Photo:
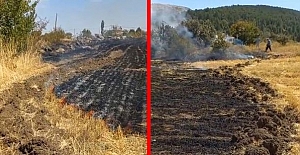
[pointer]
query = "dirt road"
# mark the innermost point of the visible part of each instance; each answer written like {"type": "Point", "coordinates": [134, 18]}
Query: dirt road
{"type": "Point", "coordinates": [215, 112]}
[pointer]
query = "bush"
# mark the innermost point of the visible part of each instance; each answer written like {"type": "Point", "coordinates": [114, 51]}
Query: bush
{"type": "Point", "coordinates": [282, 39]}
{"type": "Point", "coordinates": [55, 36]}
{"type": "Point", "coordinates": [219, 44]}
{"type": "Point", "coordinates": [86, 33]}
{"type": "Point", "coordinates": [17, 21]}
{"type": "Point", "coordinates": [246, 31]}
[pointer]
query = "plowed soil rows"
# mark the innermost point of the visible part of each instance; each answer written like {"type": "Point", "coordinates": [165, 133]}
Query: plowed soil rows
{"type": "Point", "coordinates": [216, 112]}
{"type": "Point", "coordinates": [116, 91]}
{"type": "Point", "coordinates": [99, 80]}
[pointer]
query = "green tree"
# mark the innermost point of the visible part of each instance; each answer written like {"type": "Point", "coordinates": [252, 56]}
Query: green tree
{"type": "Point", "coordinates": [108, 33]}
{"type": "Point", "coordinates": [219, 43]}
{"type": "Point", "coordinates": [54, 37]}
{"type": "Point", "coordinates": [131, 33]}
{"type": "Point", "coordinates": [172, 43]}
{"type": "Point", "coordinates": [102, 27]}
{"type": "Point", "coordinates": [246, 31]}
{"type": "Point", "coordinates": [125, 32]}
{"type": "Point", "coordinates": [138, 32]}
{"type": "Point", "coordinates": [203, 30]}
{"type": "Point", "coordinates": [86, 33]}
{"type": "Point", "coordinates": [17, 20]}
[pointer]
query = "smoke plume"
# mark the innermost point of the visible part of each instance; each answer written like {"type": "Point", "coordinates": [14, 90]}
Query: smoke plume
{"type": "Point", "coordinates": [184, 46]}
{"type": "Point", "coordinates": [173, 16]}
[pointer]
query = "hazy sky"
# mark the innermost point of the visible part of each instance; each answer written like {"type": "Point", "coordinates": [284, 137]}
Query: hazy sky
{"type": "Point", "coordinates": [193, 4]}
{"type": "Point", "coordinates": [80, 14]}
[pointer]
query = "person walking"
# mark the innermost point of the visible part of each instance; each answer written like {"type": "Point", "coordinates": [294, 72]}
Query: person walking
{"type": "Point", "coordinates": [268, 45]}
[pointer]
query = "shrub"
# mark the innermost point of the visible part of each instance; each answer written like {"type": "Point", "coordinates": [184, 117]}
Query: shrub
{"type": "Point", "coordinates": [54, 37]}
{"type": "Point", "coordinates": [282, 39]}
{"type": "Point", "coordinates": [219, 44]}
{"type": "Point", "coordinates": [17, 21]}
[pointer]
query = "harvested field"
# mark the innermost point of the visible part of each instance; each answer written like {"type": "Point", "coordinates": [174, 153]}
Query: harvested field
{"type": "Point", "coordinates": [108, 79]}
{"type": "Point", "coordinates": [216, 111]}
{"type": "Point", "coordinates": [116, 91]}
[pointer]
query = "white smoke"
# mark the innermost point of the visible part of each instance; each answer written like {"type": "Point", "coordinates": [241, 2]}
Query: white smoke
{"type": "Point", "coordinates": [173, 16]}
{"type": "Point", "coordinates": [164, 14]}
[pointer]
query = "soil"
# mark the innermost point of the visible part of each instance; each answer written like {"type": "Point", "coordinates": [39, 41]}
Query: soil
{"type": "Point", "coordinates": [116, 92]}
{"type": "Point", "coordinates": [112, 78]}
{"type": "Point", "coordinates": [216, 111]}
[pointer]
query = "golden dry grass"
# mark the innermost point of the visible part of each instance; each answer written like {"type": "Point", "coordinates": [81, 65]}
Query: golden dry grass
{"type": "Point", "coordinates": [81, 135]}
{"type": "Point", "coordinates": [14, 68]}
{"type": "Point", "coordinates": [290, 49]}
{"type": "Point", "coordinates": [215, 64]}
{"type": "Point", "coordinates": [88, 136]}
{"type": "Point", "coordinates": [284, 76]}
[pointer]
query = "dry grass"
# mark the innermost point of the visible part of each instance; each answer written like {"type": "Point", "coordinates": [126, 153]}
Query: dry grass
{"type": "Point", "coordinates": [87, 136]}
{"type": "Point", "coordinates": [282, 73]}
{"type": "Point", "coordinates": [74, 130]}
{"type": "Point", "coordinates": [284, 76]}
{"type": "Point", "coordinates": [215, 64]}
{"type": "Point", "coordinates": [70, 130]}
{"type": "Point", "coordinates": [290, 49]}
{"type": "Point", "coordinates": [15, 68]}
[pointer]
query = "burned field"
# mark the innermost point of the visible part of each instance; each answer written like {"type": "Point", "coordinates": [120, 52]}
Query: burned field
{"type": "Point", "coordinates": [116, 92]}
{"type": "Point", "coordinates": [216, 111]}
{"type": "Point", "coordinates": [108, 78]}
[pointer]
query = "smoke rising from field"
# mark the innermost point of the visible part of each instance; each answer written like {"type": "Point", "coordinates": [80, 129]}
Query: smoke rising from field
{"type": "Point", "coordinates": [168, 14]}
{"type": "Point", "coordinates": [185, 47]}
{"type": "Point", "coordinates": [172, 16]}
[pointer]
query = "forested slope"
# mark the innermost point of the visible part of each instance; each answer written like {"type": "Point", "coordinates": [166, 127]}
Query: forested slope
{"type": "Point", "coordinates": [271, 20]}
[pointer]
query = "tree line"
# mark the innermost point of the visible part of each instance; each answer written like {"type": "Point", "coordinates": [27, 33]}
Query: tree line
{"type": "Point", "coordinates": [208, 28]}
{"type": "Point", "coordinates": [272, 21]}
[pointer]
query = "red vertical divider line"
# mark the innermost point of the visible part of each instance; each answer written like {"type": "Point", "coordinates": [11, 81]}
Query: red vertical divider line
{"type": "Point", "coordinates": [148, 77]}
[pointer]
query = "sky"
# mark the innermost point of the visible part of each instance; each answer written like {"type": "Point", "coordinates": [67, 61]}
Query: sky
{"type": "Point", "coordinates": [193, 4]}
{"type": "Point", "coordinates": [80, 14]}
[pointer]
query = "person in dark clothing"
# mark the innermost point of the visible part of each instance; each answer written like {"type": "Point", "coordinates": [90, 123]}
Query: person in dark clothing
{"type": "Point", "coordinates": [268, 45]}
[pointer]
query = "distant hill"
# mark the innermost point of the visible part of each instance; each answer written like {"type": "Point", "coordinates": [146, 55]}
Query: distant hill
{"type": "Point", "coordinates": [271, 20]}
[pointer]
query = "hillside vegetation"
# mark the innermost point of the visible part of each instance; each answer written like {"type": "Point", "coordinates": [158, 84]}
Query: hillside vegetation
{"type": "Point", "coordinates": [271, 20]}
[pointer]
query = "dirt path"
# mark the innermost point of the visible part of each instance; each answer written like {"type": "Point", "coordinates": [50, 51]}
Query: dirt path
{"type": "Point", "coordinates": [112, 79]}
{"type": "Point", "coordinates": [216, 112]}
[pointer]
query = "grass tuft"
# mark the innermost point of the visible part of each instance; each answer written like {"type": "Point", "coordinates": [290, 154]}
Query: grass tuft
{"type": "Point", "coordinates": [15, 67]}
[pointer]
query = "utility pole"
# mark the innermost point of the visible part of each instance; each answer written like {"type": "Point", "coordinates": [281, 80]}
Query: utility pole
{"type": "Point", "coordinates": [55, 22]}
{"type": "Point", "coordinates": [74, 32]}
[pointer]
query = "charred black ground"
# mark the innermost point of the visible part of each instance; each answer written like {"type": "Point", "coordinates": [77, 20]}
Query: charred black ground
{"type": "Point", "coordinates": [116, 91]}
{"type": "Point", "coordinates": [115, 66]}
{"type": "Point", "coordinates": [216, 112]}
